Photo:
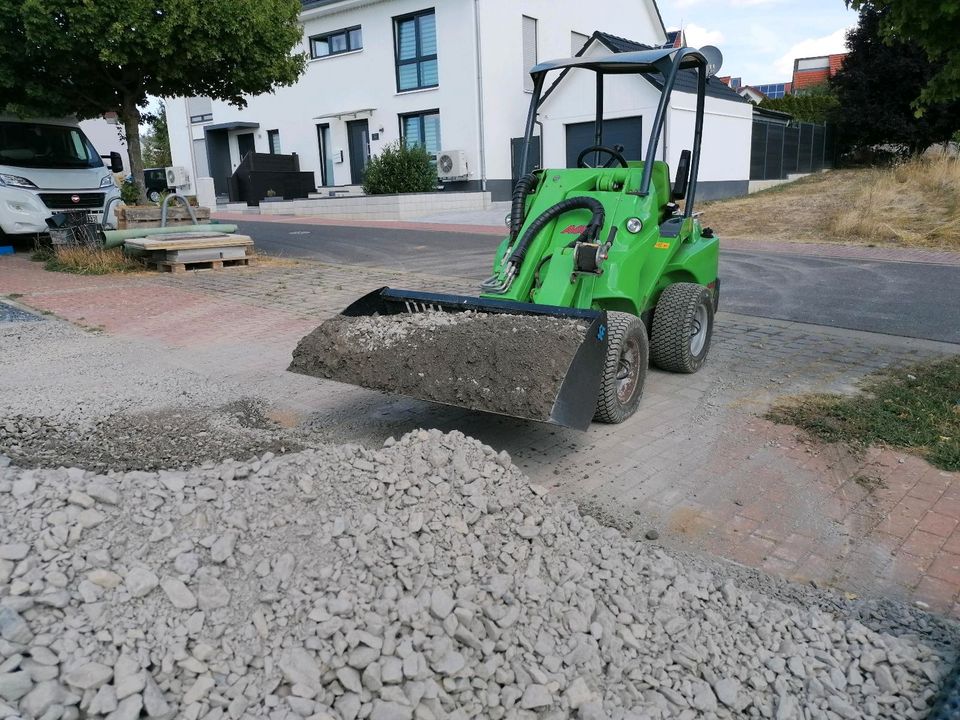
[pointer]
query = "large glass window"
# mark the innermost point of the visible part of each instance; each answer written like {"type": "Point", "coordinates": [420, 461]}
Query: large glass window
{"type": "Point", "coordinates": [334, 43]}
{"type": "Point", "coordinates": [415, 44]}
{"type": "Point", "coordinates": [422, 128]}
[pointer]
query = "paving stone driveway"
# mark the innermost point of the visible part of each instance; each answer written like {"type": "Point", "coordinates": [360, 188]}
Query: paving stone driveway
{"type": "Point", "coordinates": [697, 463]}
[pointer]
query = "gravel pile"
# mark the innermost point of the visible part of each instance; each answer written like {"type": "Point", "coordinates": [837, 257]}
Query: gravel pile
{"type": "Point", "coordinates": [424, 580]}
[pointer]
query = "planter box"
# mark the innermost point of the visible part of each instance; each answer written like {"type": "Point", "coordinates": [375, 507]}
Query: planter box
{"type": "Point", "coordinates": [147, 216]}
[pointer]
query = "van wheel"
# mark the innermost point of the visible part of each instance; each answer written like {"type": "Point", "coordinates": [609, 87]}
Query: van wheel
{"type": "Point", "coordinates": [682, 328]}
{"type": "Point", "coordinates": [625, 368]}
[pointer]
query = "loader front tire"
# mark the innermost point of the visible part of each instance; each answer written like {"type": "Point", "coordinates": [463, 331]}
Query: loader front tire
{"type": "Point", "coordinates": [682, 328]}
{"type": "Point", "coordinates": [625, 368]}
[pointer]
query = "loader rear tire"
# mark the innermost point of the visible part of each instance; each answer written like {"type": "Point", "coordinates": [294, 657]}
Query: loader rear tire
{"type": "Point", "coordinates": [682, 328]}
{"type": "Point", "coordinates": [625, 368]}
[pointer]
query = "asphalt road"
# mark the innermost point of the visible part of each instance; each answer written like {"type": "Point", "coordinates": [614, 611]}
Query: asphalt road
{"type": "Point", "coordinates": [908, 299]}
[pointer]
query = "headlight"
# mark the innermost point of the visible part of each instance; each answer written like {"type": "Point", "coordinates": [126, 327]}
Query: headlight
{"type": "Point", "coordinates": [16, 181]}
{"type": "Point", "coordinates": [107, 181]}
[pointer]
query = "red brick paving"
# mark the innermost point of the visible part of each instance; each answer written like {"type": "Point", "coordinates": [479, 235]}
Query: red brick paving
{"type": "Point", "coordinates": [801, 510]}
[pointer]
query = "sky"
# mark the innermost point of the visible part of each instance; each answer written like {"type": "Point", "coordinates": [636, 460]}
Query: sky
{"type": "Point", "coordinates": [761, 38]}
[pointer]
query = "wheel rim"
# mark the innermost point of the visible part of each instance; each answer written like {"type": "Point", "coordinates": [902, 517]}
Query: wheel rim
{"type": "Point", "coordinates": [628, 371]}
{"type": "Point", "coordinates": [698, 333]}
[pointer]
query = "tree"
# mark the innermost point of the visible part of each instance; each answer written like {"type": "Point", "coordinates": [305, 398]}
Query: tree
{"type": "Point", "coordinates": [876, 87]}
{"type": "Point", "coordinates": [84, 58]}
{"type": "Point", "coordinates": [815, 105]}
{"type": "Point", "coordinates": [156, 143]}
{"type": "Point", "coordinates": [931, 25]}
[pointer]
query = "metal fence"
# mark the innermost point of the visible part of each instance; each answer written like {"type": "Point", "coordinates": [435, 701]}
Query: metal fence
{"type": "Point", "coordinates": [778, 150]}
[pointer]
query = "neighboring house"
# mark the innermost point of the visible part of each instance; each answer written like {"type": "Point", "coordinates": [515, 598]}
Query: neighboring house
{"type": "Point", "coordinates": [812, 71]}
{"type": "Point", "coordinates": [107, 136]}
{"type": "Point", "coordinates": [774, 90]}
{"type": "Point", "coordinates": [631, 103]}
{"type": "Point", "coordinates": [752, 94]}
{"type": "Point", "coordinates": [452, 76]}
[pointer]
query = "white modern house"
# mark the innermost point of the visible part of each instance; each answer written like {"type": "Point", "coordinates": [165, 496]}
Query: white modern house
{"type": "Point", "coordinates": [454, 76]}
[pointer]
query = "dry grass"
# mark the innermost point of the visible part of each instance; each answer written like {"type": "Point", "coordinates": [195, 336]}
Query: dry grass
{"type": "Point", "coordinates": [913, 204]}
{"type": "Point", "coordinates": [91, 261]}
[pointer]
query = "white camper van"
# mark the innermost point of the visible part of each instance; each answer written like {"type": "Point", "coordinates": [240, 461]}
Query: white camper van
{"type": "Point", "coordinates": [49, 167]}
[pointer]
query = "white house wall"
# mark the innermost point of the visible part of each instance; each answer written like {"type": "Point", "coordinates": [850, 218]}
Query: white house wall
{"type": "Point", "coordinates": [107, 137]}
{"type": "Point", "coordinates": [725, 151]}
{"type": "Point", "coordinates": [366, 79]}
{"type": "Point", "coordinates": [506, 104]}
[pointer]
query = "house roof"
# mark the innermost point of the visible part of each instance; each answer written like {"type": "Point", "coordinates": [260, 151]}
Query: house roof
{"type": "Point", "coordinates": [686, 79]}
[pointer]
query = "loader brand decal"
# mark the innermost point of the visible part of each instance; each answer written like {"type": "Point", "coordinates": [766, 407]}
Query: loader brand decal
{"type": "Point", "coordinates": [661, 245]}
{"type": "Point", "coordinates": [574, 230]}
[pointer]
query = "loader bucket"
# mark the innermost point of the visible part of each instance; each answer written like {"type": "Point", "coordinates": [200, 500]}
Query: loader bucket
{"type": "Point", "coordinates": [522, 360]}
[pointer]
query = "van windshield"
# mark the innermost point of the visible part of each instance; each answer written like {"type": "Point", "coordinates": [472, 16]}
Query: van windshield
{"type": "Point", "coordinates": [37, 145]}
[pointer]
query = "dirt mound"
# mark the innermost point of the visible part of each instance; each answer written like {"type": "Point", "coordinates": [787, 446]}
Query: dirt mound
{"type": "Point", "coordinates": [509, 364]}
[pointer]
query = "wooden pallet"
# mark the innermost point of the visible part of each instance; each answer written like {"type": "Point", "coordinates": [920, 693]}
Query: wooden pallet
{"type": "Point", "coordinates": [175, 267]}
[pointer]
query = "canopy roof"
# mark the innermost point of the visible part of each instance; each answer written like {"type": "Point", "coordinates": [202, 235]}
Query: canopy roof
{"type": "Point", "coordinates": [642, 61]}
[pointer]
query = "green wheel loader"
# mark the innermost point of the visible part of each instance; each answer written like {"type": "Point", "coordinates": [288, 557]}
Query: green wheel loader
{"type": "Point", "coordinates": [602, 272]}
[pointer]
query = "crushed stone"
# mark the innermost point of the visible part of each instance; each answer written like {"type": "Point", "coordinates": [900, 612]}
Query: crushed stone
{"type": "Point", "coordinates": [427, 579]}
{"type": "Point", "coordinates": [501, 363]}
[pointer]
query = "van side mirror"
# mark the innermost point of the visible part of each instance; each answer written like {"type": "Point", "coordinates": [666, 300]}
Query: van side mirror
{"type": "Point", "coordinates": [683, 176]}
{"type": "Point", "coordinates": [116, 162]}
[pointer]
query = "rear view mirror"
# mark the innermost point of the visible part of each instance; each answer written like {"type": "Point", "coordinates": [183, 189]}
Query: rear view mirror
{"type": "Point", "coordinates": [116, 162]}
{"type": "Point", "coordinates": [683, 176]}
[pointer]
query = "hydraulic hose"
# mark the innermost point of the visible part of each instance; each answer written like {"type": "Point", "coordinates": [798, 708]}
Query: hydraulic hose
{"type": "Point", "coordinates": [564, 206]}
{"type": "Point", "coordinates": [525, 185]}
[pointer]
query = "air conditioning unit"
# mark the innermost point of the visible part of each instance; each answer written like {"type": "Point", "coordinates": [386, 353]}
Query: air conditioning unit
{"type": "Point", "coordinates": [452, 165]}
{"type": "Point", "coordinates": [177, 177]}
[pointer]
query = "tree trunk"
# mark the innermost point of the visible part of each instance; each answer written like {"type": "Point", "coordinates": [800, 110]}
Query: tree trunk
{"type": "Point", "coordinates": [131, 125]}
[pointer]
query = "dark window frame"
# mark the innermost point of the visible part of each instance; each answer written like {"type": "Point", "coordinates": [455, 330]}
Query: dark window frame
{"type": "Point", "coordinates": [327, 35]}
{"type": "Point", "coordinates": [271, 134]}
{"type": "Point", "coordinates": [419, 59]}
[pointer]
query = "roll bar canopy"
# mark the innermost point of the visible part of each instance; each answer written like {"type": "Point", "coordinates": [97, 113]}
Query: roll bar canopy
{"type": "Point", "coordinates": [667, 62]}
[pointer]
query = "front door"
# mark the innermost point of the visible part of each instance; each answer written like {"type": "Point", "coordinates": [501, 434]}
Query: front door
{"type": "Point", "coordinates": [358, 141]}
{"type": "Point", "coordinates": [218, 159]}
{"type": "Point", "coordinates": [245, 144]}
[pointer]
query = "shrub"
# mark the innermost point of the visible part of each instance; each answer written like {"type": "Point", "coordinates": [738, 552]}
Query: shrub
{"type": "Point", "coordinates": [400, 169]}
{"type": "Point", "coordinates": [130, 193]}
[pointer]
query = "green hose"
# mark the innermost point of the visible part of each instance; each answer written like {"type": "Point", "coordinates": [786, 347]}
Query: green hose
{"type": "Point", "coordinates": [115, 238]}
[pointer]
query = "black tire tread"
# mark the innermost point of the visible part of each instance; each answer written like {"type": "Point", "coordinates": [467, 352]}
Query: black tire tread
{"type": "Point", "coordinates": [608, 406]}
{"type": "Point", "coordinates": [670, 334]}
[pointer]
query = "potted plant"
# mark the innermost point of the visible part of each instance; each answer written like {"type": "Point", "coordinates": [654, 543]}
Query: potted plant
{"type": "Point", "coordinates": [272, 196]}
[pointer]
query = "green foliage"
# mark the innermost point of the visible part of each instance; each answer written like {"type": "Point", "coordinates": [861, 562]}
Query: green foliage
{"type": "Point", "coordinates": [917, 408]}
{"type": "Point", "coordinates": [876, 89]}
{"type": "Point", "coordinates": [932, 26]}
{"type": "Point", "coordinates": [400, 169]}
{"type": "Point", "coordinates": [813, 107]}
{"type": "Point", "coordinates": [85, 58]}
{"type": "Point", "coordinates": [156, 143]}
{"type": "Point", "coordinates": [130, 193]}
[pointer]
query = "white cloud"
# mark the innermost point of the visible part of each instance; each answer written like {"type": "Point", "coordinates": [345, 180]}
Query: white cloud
{"type": "Point", "coordinates": [751, 3]}
{"type": "Point", "coordinates": [833, 43]}
{"type": "Point", "coordinates": [698, 36]}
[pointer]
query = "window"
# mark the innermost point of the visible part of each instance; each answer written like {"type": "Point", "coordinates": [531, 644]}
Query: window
{"type": "Point", "coordinates": [273, 138]}
{"type": "Point", "coordinates": [577, 41]}
{"type": "Point", "coordinates": [422, 128]}
{"type": "Point", "coordinates": [200, 109]}
{"type": "Point", "coordinates": [415, 44]}
{"type": "Point", "coordinates": [529, 51]}
{"type": "Point", "coordinates": [335, 43]}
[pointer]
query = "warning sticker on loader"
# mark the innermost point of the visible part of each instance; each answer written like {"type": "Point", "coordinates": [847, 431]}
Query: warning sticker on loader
{"type": "Point", "coordinates": [661, 245]}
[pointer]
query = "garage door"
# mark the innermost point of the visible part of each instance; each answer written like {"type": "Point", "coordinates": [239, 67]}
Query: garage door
{"type": "Point", "coordinates": [622, 131]}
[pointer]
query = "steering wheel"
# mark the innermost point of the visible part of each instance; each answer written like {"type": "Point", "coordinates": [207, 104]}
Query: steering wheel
{"type": "Point", "coordinates": [614, 155]}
